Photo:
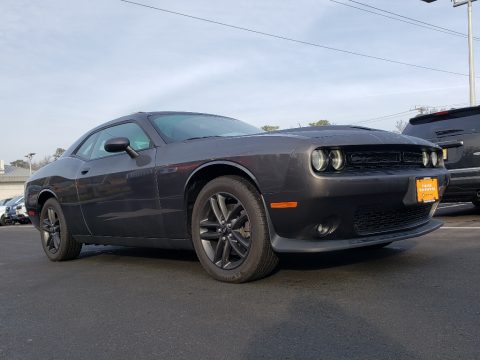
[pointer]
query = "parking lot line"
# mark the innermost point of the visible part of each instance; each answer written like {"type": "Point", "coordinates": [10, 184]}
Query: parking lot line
{"type": "Point", "coordinates": [460, 227]}
{"type": "Point", "coordinates": [454, 205]}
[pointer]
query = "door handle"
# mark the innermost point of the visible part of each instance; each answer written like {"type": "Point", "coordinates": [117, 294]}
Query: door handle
{"type": "Point", "coordinates": [84, 171]}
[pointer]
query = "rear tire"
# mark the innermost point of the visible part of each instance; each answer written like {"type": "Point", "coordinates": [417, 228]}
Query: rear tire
{"type": "Point", "coordinates": [57, 242]}
{"type": "Point", "coordinates": [230, 232]}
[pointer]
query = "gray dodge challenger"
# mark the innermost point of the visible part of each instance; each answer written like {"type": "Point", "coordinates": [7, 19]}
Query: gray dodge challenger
{"type": "Point", "coordinates": [236, 195]}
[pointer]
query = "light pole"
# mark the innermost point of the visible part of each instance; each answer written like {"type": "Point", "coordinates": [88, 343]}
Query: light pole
{"type": "Point", "coordinates": [29, 156]}
{"type": "Point", "coordinates": [471, 72]}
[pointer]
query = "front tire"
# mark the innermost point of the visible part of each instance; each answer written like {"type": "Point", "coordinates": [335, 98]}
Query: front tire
{"type": "Point", "coordinates": [230, 231]}
{"type": "Point", "coordinates": [2, 221]}
{"type": "Point", "coordinates": [57, 242]}
{"type": "Point", "coordinates": [476, 203]}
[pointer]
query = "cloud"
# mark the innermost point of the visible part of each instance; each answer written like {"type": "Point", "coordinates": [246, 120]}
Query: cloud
{"type": "Point", "coordinates": [69, 66]}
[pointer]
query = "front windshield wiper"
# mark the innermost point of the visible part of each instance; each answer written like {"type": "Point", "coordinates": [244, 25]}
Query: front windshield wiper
{"type": "Point", "coordinates": [202, 137]}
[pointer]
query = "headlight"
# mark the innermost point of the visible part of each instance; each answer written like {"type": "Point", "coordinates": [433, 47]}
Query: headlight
{"type": "Point", "coordinates": [337, 159]}
{"type": "Point", "coordinates": [320, 160]}
{"type": "Point", "coordinates": [434, 158]}
{"type": "Point", "coordinates": [425, 159]}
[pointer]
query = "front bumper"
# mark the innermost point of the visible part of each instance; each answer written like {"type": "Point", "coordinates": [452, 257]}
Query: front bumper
{"type": "Point", "coordinates": [285, 245]}
{"type": "Point", "coordinates": [361, 210]}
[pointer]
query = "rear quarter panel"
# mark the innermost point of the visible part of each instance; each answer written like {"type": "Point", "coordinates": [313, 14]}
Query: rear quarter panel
{"type": "Point", "coordinates": [58, 179]}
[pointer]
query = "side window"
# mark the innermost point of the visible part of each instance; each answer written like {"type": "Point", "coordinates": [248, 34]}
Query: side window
{"type": "Point", "coordinates": [138, 139]}
{"type": "Point", "coordinates": [86, 149]}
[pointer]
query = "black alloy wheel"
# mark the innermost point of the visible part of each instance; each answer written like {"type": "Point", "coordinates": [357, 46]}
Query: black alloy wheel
{"type": "Point", "coordinates": [50, 230]}
{"type": "Point", "coordinates": [225, 231]}
{"type": "Point", "coordinates": [57, 242]}
{"type": "Point", "coordinates": [230, 231]}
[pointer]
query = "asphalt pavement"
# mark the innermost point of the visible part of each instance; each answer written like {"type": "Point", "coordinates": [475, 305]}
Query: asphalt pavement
{"type": "Point", "coordinates": [416, 299]}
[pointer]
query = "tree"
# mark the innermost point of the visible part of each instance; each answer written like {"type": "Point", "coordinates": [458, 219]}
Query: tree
{"type": "Point", "coordinates": [320, 123]}
{"type": "Point", "coordinates": [400, 125]}
{"type": "Point", "coordinates": [20, 163]}
{"type": "Point", "coordinates": [59, 152]}
{"type": "Point", "coordinates": [270, 127]}
{"type": "Point", "coordinates": [47, 159]}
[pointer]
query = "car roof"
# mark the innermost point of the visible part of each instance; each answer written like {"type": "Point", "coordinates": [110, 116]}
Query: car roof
{"type": "Point", "coordinates": [445, 115]}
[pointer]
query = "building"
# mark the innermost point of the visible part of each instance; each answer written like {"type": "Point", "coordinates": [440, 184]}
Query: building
{"type": "Point", "coordinates": [12, 180]}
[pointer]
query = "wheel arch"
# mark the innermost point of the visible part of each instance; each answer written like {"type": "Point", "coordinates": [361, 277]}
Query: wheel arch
{"type": "Point", "coordinates": [43, 196]}
{"type": "Point", "coordinates": [206, 173]}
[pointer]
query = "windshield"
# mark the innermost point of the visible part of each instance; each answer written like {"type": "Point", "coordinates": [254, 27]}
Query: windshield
{"type": "Point", "coordinates": [180, 127]}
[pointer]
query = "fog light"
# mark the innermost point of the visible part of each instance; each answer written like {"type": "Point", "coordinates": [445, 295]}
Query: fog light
{"type": "Point", "coordinates": [323, 229]}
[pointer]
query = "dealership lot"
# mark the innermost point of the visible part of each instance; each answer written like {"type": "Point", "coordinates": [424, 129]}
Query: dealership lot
{"type": "Point", "coordinates": [416, 299]}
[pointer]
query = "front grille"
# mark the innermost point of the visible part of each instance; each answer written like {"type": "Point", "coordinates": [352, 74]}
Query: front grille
{"type": "Point", "coordinates": [392, 159]}
{"type": "Point", "coordinates": [377, 219]}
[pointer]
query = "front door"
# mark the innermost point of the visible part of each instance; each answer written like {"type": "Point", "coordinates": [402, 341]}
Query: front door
{"type": "Point", "coordinates": [117, 193]}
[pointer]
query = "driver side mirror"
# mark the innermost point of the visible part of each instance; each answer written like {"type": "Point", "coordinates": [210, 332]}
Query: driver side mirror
{"type": "Point", "coordinates": [120, 144]}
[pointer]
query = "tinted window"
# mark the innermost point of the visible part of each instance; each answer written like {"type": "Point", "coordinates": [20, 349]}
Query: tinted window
{"type": "Point", "coordinates": [86, 149]}
{"type": "Point", "coordinates": [435, 127]}
{"type": "Point", "coordinates": [179, 127]}
{"type": "Point", "coordinates": [138, 139]}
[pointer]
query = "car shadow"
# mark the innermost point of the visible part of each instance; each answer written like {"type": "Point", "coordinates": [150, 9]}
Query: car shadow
{"type": "Point", "coordinates": [316, 261]}
{"type": "Point", "coordinates": [150, 253]}
{"type": "Point", "coordinates": [341, 258]}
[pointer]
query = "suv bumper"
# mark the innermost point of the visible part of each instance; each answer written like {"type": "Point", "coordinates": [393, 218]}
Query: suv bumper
{"type": "Point", "coordinates": [464, 185]}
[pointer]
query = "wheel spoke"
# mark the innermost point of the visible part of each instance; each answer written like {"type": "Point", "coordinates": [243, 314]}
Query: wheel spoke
{"type": "Point", "coordinates": [56, 240]}
{"type": "Point", "coordinates": [49, 243]}
{"type": "Point", "coordinates": [234, 211]}
{"type": "Point", "coordinates": [240, 239]}
{"type": "Point", "coordinates": [236, 249]}
{"type": "Point", "coordinates": [46, 226]}
{"type": "Point", "coordinates": [218, 252]}
{"type": "Point", "coordinates": [208, 223]}
{"type": "Point", "coordinates": [225, 254]}
{"type": "Point", "coordinates": [242, 219]}
{"type": "Point", "coordinates": [51, 215]}
{"type": "Point", "coordinates": [210, 235]}
{"type": "Point", "coordinates": [216, 210]}
{"type": "Point", "coordinates": [223, 206]}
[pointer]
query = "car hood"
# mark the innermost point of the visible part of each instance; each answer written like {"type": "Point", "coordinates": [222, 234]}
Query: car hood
{"type": "Point", "coordinates": [349, 135]}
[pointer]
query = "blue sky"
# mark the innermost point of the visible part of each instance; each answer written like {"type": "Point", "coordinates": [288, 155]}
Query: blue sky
{"type": "Point", "coordinates": [67, 66]}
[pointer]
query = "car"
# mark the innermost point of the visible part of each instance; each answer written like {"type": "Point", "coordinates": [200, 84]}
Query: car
{"type": "Point", "coordinates": [234, 194]}
{"type": "Point", "coordinates": [21, 215]}
{"type": "Point", "coordinates": [10, 215]}
{"type": "Point", "coordinates": [457, 131]}
{"type": "Point", "coordinates": [3, 207]}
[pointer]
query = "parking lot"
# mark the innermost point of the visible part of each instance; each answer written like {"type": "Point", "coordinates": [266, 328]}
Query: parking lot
{"type": "Point", "coordinates": [416, 299]}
